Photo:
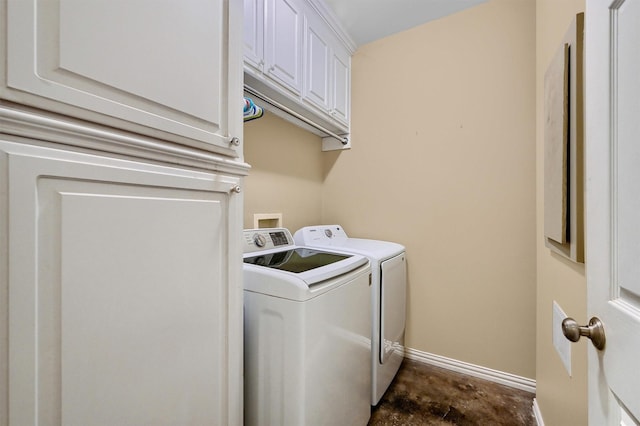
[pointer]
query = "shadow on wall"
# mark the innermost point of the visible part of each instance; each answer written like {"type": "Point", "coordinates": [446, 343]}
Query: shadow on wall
{"type": "Point", "coordinates": [329, 160]}
{"type": "Point", "coordinates": [276, 146]}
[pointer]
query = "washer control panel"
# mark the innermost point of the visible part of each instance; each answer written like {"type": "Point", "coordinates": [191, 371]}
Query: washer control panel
{"type": "Point", "coordinates": [265, 239]}
{"type": "Point", "coordinates": [259, 240]}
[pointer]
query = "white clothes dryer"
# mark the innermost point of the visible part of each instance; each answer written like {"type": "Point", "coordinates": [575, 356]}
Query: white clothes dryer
{"type": "Point", "coordinates": [388, 296]}
{"type": "Point", "coordinates": [307, 321]}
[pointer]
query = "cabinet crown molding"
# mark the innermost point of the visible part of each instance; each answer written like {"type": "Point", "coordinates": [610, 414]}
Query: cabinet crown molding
{"type": "Point", "coordinates": [334, 23]}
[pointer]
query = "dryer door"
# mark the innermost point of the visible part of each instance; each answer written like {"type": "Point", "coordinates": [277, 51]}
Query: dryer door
{"type": "Point", "coordinates": [393, 300]}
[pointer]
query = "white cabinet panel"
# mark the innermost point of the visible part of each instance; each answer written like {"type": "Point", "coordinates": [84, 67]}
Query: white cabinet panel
{"type": "Point", "coordinates": [124, 295]}
{"type": "Point", "coordinates": [283, 33]}
{"type": "Point", "coordinates": [105, 42]}
{"type": "Point", "coordinates": [140, 301]}
{"type": "Point", "coordinates": [316, 66]}
{"type": "Point", "coordinates": [158, 68]}
{"type": "Point", "coordinates": [341, 99]}
{"type": "Point", "coordinates": [254, 34]}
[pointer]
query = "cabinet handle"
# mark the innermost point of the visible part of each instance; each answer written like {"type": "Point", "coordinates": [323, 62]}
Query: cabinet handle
{"type": "Point", "coordinates": [234, 141]}
{"type": "Point", "coordinates": [236, 189]}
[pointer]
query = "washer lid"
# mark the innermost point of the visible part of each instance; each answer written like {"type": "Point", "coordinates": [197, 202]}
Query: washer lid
{"type": "Point", "coordinates": [296, 260]}
{"type": "Point", "coordinates": [300, 273]}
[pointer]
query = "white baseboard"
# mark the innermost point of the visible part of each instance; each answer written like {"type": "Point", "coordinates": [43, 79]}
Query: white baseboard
{"type": "Point", "coordinates": [507, 379]}
{"type": "Point", "coordinates": [537, 413]}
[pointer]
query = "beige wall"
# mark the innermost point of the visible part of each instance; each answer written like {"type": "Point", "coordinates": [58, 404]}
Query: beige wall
{"type": "Point", "coordinates": [286, 175]}
{"type": "Point", "coordinates": [562, 399]}
{"type": "Point", "coordinates": [443, 161]}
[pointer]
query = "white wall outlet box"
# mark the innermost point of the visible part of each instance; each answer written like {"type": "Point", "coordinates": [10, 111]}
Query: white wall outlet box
{"type": "Point", "coordinates": [561, 343]}
{"type": "Point", "coordinates": [267, 220]}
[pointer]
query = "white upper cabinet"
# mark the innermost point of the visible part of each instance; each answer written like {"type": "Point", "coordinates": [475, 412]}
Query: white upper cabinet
{"type": "Point", "coordinates": [282, 51]}
{"type": "Point", "coordinates": [327, 71]}
{"type": "Point", "coordinates": [272, 41]}
{"type": "Point", "coordinates": [341, 75]}
{"type": "Point", "coordinates": [296, 54]}
{"type": "Point", "coordinates": [317, 52]}
{"type": "Point", "coordinates": [254, 34]}
{"type": "Point", "coordinates": [160, 68]}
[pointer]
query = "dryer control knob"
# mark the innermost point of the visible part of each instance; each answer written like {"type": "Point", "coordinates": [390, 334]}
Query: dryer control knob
{"type": "Point", "coordinates": [259, 240]}
{"type": "Point", "coordinates": [328, 232]}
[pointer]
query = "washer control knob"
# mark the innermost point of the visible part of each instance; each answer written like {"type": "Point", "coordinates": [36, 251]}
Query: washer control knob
{"type": "Point", "coordinates": [328, 233]}
{"type": "Point", "coordinates": [259, 240]}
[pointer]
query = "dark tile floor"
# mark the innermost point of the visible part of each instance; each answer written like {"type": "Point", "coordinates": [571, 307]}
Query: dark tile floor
{"type": "Point", "coordinates": [422, 394]}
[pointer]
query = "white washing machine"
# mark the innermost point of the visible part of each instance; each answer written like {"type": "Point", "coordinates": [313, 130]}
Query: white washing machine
{"type": "Point", "coordinates": [388, 296]}
{"type": "Point", "coordinates": [307, 321]}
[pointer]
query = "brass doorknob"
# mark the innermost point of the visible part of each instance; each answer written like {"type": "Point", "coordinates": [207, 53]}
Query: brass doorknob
{"type": "Point", "coordinates": [594, 331]}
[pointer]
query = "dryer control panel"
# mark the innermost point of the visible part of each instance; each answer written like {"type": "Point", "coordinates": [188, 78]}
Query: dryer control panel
{"type": "Point", "coordinates": [265, 239]}
{"type": "Point", "coordinates": [321, 235]}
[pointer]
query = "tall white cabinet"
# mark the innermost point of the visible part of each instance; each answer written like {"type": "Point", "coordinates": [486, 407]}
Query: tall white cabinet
{"type": "Point", "coordinates": [121, 174]}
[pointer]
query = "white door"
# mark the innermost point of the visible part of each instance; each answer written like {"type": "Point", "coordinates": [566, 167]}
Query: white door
{"type": "Point", "coordinates": [612, 95]}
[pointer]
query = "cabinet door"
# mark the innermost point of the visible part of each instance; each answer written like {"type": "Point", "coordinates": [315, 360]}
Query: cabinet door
{"type": "Point", "coordinates": [161, 68]}
{"type": "Point", "coordinates": [316, 64]}
{"type": "Point", "coordinates": [341, 75]}
{"type": "Point", "coordinates": [124, 293]}
{"type": "Point", "coordinates": [254, 34]}
{"type": "Point", "coordinates": [283, 49]}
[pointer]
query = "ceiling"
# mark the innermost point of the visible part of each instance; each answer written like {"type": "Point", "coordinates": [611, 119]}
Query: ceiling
{"type": "Point", "coordinates": [370, 20]}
